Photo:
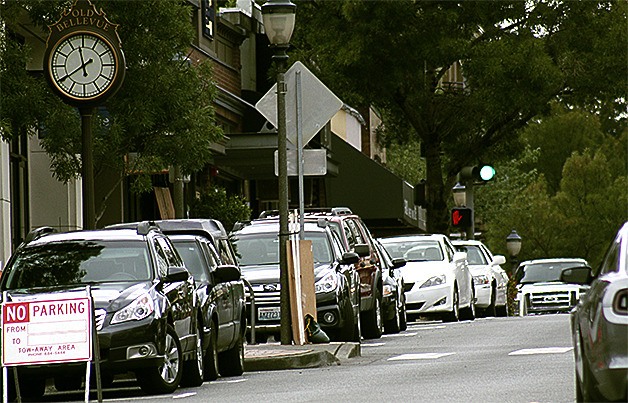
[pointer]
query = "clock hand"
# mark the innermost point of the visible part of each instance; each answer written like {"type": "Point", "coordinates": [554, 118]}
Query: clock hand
{"type": "Point", "coordinates": [83, 62]}
{"type": "Point", "coordinates": [82, 66]}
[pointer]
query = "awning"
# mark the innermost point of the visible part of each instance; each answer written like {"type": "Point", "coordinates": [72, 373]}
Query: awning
{"type": "Point", "coordinates": [382, 199]}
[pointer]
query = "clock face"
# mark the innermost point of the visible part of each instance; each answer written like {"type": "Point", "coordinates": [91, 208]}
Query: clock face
{"type": "Point", "coordinates": [83, 66]}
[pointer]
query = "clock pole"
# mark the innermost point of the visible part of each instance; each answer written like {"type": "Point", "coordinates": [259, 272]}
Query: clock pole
{"type": "Point", "coordinates": [87, 167]}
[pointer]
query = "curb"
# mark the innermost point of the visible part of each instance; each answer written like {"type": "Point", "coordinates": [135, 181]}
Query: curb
{"type": "Point", "coordinates": [278, 357]}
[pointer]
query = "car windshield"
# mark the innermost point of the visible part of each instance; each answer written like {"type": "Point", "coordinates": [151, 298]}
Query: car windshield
{"type": "Point", "coordinates": [414, 251]}
{"type": "Point", "coordinates": [78, 262]}
{"type": "Point", "coordinates": [263, 249]}
{"type": "Point", "coordinates": [474, 254]}
{"type": "Point", "coordinates": [545, 272]}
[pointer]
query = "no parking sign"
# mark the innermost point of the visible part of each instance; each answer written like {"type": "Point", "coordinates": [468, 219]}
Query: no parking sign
{"type": "Point", "coordinates": [47, 330]}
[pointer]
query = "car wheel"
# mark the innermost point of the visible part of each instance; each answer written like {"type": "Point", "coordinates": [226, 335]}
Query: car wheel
{"type": "Point", "coordinates": [403, 316]}
{"type": "Point", "coordinates": [587, 385]}
{"type": "Point", "coordinates": [164, 378]}
{"type": "Point", "coordinates": [501, 311]}
{"type": "Point", "coordinates": [231, 362]}
{"type": "Point", "coordinates": [469, 312]}
{"type": "Point", "coordinates": [193, 370]}
{"type": "Point", "coordinates": [454, 314]}
{"type": "Point", "coordinates": [393, 325]}
{"type": "Point", "coordinates": [66, 383]}
{"type": "Point", "coordinates": [490, 310]}
{"type": "Point", "coordinates": [211, 355]}
{"type": "Point", "coordinates": [349, 330]}
{"type": "Point", "coordinates": [373, 326]}
{"type": "Point", "coordinates": [33, 388]}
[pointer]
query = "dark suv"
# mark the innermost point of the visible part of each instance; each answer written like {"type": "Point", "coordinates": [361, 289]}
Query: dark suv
{"type": "Point", "coordinates": [144, 302]}
{"type": "Point", "coordinates": [355, 237]}
{"type": "Point", "coordinates": [205, 248]}
{"type": "Point", "coordinates": [336, 282]}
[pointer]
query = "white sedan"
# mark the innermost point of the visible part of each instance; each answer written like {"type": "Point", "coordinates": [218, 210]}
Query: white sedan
{"type": "Point", "coordinates": [436, 277]}
{"type": "Point", "coordinates": [490, 279]}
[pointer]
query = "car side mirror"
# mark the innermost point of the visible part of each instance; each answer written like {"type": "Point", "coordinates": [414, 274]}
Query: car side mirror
{"type": "Point", "coordinates": [459, 256]}
{"type": "Point", "coordinates": [362, 249]}
{"type": "Point", "coordinates": [577, 275]}
{"type": "Point", "coordinates": [226, 273]}
{"type": "Point", "coordinates": [349, 258]}
{"type": "Point", "coordinates": [177, 273]}
{"type": "Point", "coordinates": [498, 259]}
{"type": "Point", "coordinates": [399, 262]}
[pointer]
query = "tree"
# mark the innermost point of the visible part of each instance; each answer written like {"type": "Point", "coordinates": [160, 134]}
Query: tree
{"type": "Point", "coordinates": [216, 204]}
{"type": "Point", "coordinates": [516, 58]}
{"type": "Point", "coordinates": [163, 114]}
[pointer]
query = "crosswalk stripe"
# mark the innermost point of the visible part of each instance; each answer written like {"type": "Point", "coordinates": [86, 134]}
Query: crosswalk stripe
{"type": "Point", "coordinates": [544, 350]}
{"type": "Point", "coordinates": [419, 356]}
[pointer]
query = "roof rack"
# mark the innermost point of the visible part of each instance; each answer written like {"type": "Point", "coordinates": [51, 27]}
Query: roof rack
{"type": "Point", "coordinates": [38, 233]}
{"type": "Point", "coordinates": [332, 211]}
{"type": "Point", "coordinates": [144, 227]}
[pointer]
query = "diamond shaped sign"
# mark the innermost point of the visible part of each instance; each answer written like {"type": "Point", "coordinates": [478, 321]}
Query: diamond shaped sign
{"type": "Point", "coordinates": [319, 104]}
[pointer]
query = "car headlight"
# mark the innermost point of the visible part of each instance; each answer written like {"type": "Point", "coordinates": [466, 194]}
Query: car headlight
{"type": "Point", "coordinates": [432, 281]}
{"type": "Point", "coordinates": [139, 309]}
{"type": "Point", "coordinates": [326, 284]}
{"type": "Point", "coordinates": [481, 279]}
{"type": "Point", "coordinates": [387, 290]}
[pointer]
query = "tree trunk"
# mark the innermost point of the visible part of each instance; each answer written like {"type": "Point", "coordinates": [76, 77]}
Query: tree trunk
{"type": "Point", "coordinates": [437, 213]}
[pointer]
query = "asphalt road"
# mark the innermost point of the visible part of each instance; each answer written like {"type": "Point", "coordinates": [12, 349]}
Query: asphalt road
{"type": "Point", "coordinates": [487, 360]}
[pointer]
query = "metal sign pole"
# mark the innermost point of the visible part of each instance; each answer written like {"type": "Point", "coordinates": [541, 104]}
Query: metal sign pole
{"type": "Point", "coordinates": [300, 152]}
{"type": "Point", "coordinates": [95, 349]}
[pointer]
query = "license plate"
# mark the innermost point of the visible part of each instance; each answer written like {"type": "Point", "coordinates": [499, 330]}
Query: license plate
{"type": "Point", "coordinates": [273, 313]}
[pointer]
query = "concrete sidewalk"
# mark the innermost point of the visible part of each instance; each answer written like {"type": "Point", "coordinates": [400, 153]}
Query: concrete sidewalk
{"type": "Point", "coordinates": [275, 356]}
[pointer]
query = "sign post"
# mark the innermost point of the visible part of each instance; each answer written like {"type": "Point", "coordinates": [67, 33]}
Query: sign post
{"type": "Point", "coordinates": [48, 329]}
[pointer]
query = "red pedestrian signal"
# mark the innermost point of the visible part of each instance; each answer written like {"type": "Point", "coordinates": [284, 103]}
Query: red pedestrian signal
{"type": "Point", "coordinates": [461, 217]}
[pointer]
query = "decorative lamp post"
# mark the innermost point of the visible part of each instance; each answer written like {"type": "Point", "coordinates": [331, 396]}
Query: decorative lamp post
{"type": "Point", "coordinates": [513, 245]}
{"type": "Point", "coordinates": [460, 197]}
{"type": "Point", "coordinates": [279, 18]}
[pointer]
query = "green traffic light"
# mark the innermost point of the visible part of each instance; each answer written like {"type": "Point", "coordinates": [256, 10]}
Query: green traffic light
{"type": "Point", "coordinates": [487, 172]}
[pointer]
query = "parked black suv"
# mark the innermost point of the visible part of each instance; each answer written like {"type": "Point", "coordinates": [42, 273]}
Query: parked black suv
{"type": "Point", "coordinates": [336, 281]}
{"type": "Point", "coordinates": [144, 302]}
{"type": "Point", "coordinates": [355, 237]}
{"type": "Point", "coordinates": [207, 252]}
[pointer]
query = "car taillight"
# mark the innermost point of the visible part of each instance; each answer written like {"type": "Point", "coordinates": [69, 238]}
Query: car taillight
{"type": "Point", "coordinates": [620, 302]}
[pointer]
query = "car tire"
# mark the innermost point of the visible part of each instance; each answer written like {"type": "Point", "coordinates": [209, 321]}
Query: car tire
{"type": "Point", "coordinates": [166, 377]}
{"type": "Point", "coordinates": [588, 385]}
{"type": "Point", "coordinates": [403, 316]}
{"type": "Point", "coordinates": [393, 325]}
{"type": "Point", "coordinates": [67, 383]}
{"type": "Point", "coordinates": [469, 312]}
{"type": "Point", "coordinates": [211, 354]}
{"type": "Point", "coordinates": [194, 369]}
{"type": "Point", "coordinates": [231, 362]}
{"type": "Point", "coordinates": [454, 314]}
{"type": "Point", "coordinates": [501, 311]}
{"type": "Point", "coordinates": [349, 330]}
{"type": "Point", "coordinates": [372, 325]}
{"type": "Point", "coordinates": [32, 389]}
{"type": "Point", "coordinates": [490, 310]}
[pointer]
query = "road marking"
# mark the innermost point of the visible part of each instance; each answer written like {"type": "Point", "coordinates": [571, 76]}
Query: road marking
{"type": "Point", "coordinates": [399, 335]}
{"type": "Point", "coordinates": [419, 356]}
{"type": "Point", "coordinates": [184, 395]}
{"type": "Point", "coordinates": [430, 327]}
{"type": "Point", "coordinates": [545, 350]}
{"type": "Point", "coordinates": [373, 344]}
{"type": "Point", "coordinates": [229, 381]}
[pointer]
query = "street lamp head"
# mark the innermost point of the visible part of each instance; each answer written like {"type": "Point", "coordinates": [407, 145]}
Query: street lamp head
{"type": "Point", "coordinates": [513, 243]}
{"type": "Point", "coordinates": [460, 195]}
{"type": "Point", "coordinates": [279, 18]}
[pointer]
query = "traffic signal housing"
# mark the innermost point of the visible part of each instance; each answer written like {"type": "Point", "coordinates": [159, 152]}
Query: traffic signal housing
{"type": "Point", "coordinates": [461, 217]}
{"type": "Point", "coordinates": [480, 173]}
{"type": "Point", "coordinates": [420, 194]}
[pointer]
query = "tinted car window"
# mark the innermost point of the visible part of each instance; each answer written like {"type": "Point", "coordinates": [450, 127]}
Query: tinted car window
{"type": "Point", "coordinates": [474, 254]}
{"type": "Point", "coordinates": [162, 260]}
{"type": "Point", "coordinates": [226, 252]}
{"type": "Point", "coordinates": [415, 250]}
{"type": "Point", "coordinates": [80, 262]}
{"type": "Point", "coordinates": [542, 272]}
{"type": "Point", "coordinates": [193, 258]}
{"type": "Point", "coordinates": [260, 249]}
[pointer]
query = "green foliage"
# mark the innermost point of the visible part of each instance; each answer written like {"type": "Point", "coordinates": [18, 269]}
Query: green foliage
{"type": "Point", "coordinates": [215, 203]}
{"type": "Point", "coordinates": [517, 58]}
{"type": "Point", "coordinates": [163, 114]}
{"type": "Point", "coordinates": [404, 162]}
